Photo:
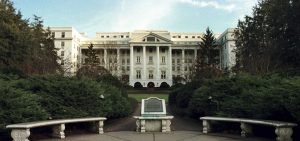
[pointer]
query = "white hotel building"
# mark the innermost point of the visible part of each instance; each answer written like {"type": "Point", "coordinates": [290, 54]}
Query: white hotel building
{"type": "Point", "coordinates": [146, 57]}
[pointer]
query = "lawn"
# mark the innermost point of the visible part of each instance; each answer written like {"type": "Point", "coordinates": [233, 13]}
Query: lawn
{"type": "Point", "coordinates": [139, 97]}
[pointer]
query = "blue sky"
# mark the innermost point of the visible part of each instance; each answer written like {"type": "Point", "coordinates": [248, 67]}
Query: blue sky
{"type": "Point", "coordinates": [93, 16]}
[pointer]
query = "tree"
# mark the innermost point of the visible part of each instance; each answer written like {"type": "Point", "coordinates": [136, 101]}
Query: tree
{"type": "Point", "coordinates": [24, 44]}
{"type": "Point", "coordinates": [206, 64]}
{"type": "Point", "coordinates": [91, 68]}
{"type": "Point", "coordinates": [269, 40]}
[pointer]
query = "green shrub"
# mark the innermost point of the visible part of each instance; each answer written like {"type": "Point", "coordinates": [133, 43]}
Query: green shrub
{"type": "Point", "coordinates": [18, 106]}
{"type": "Point", "coordinates": [248, 97]}
{"type": "Point", "coordinates": [55, 97]}
{"type": "Point", "coordinates": [71, 97]}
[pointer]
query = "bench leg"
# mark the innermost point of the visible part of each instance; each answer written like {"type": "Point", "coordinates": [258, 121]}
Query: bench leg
{"type": "Point", "coordinates": [206, 126]}
{"type": "Point", "coordinates": [100, 125]}
{"type": "Point", "coordinates": [138, 125]}
{"type": "Point", "coordinates": [20, 134]}
{"type": "Point", "coordinates": [143, 126]}
{"type": "Point", "coordinates": [246, 130]}
{"type": "Point", "coordinates": [284, 134]}
{"type": "Point", "coordinates": [59, 131]}
{"type": "Point", "coordinates": [163, 125]}
{"type": "Point", "coordinates": [168, 127]}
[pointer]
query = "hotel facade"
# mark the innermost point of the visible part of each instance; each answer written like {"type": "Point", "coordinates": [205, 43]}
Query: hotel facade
{"type": "Point", "coordinates": [150, 58]}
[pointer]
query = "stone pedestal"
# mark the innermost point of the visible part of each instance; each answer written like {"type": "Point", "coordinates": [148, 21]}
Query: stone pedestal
{"type": "Point", "coordinates": [20, 134]}
{"type": "Point", "coordinates": [246, 130]}
{"type": "Point", "coordinates": [59, 131]}
{"type": "Point", "coordinates": [153, 124]}
{"type": "Point", "coordinates": [284, 134]}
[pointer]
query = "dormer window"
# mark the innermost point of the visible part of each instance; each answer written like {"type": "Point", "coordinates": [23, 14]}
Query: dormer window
{"type": "Point", "coordinates": [150, 39]}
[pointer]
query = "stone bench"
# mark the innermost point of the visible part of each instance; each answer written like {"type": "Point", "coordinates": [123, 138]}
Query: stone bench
{"type": "Point", "coordinates": [153, 124]}
{"type": "Point", "coordinates": [21, 131]}
{"type": "Point", "coordinates": [284, 130]}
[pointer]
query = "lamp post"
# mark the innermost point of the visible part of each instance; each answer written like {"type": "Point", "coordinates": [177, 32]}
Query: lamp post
{"type": "Point", "coordinates": [214, 101]}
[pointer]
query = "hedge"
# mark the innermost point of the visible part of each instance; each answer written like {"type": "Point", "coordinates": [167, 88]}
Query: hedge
{"type": "Point", "coordinates": [55, 97]}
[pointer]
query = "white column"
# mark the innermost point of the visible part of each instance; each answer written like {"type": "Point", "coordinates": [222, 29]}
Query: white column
{"type": "Point", "coordinates": [157, 63]}
{"type": "Point", "coordinates": [118, 63]}
{"type": "Point", "coordinates": [105, 59]}
{"type": "Point", "coordinates": [171, 65]}
{"type": "Point", "coordinates": [183, 62]}
{"type": "Point", "coordinates": [144, 62]}
{"type": "Point", "coordinates": [131, 64]}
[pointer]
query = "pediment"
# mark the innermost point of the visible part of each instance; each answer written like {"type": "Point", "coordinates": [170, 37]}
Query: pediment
{"type": "Point", "coordinates": [151, 38]}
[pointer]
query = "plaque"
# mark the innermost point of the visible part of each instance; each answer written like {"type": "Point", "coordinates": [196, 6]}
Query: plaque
{"type": "Point", "coordinates": [153, 105]}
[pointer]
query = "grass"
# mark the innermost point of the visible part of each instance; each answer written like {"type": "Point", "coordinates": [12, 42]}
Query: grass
{"type": "Point", "coordinates": [139, 97]}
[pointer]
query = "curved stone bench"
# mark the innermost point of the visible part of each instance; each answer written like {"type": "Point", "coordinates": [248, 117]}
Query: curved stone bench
{"type": "Point", "coordinates": [284, 130]}
{"type": "Point", "coordinates": [21, 131]}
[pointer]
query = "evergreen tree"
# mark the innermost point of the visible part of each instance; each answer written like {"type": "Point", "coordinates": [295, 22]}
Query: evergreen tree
{"type": "Point", "coordinates": [92, 59]}
{"type": "Point", "coordinates": [269, 40]}
{"type": "Point", "coordinates": [24, 45]}
{"type": "Point", "coordinates": [206, 64]}
{"type": "Point", "coordinates": [91, 68]}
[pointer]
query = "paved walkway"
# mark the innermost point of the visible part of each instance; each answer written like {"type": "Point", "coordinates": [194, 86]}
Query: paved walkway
{"type": "Point", "coordinates": [173, 136]}
{"type": "Point", "coordinates": [183, 129]}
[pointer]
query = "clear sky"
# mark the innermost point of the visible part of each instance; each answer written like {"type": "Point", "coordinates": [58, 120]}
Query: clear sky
{"type": "Point", "coordinates": [93, 16]}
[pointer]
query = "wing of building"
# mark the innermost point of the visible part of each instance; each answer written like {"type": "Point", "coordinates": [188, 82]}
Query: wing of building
{"type": "Point", "coordinates": [148, 58]}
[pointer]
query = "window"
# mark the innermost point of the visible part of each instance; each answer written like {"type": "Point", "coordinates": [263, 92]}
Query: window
{"type": "Point", "coordinates": [185, 68]}
{"type": "Point", "coordinates": [178, 68]}
{"type": "Point", "coordinates": [53, 34]}
{"type": "Point", "coordinates": [179, 36]}
{"type": "Point", "coordinates": [178, 61]}
{"type": "Point", "coordinates": [173, 61]}
{"type": "Point", "coordinates": [198, 37]}
{"type": "Point", "coordinates": [186, 36]}
{"type": "Point", "coordinates": [128, 68]}
{"type": "Point", "coordinates": [62, 44]}
{"type": "Point", "coordinates": [163, 74]}
{"type": "Point", "coordinates": [128, 61]}
{"type": "Point", "coordinates": [174, 36]}
{"type": "Point", "coordinates": [62, 53]}
{"type": "Point", "coordinates": [173, 68]}
{"type": "Point", "coordinates": [138, 59]}
{"type": "Point", "coordinates": [102, 36]}
{"type": "Point", "coordinates": [150, 59]}
{"type": "Point", "coordinates": [62, 62]}
{"type": "Point", "coordinates": [123, 61]}
{"type": "Point", "coordinates": [107, 36]}
{"type": "Point", "coordinates": [127, 36]}
{"type": "Point", "coordinates": [63, 34]}
{"type": "Point", "coordinates": [122, 36]}
{"type": "Point", "coordinates": [150, 50]}
{"type": "Point", "coordinates": [193, 36]}
{"type": "Point", "coordinates": [150, 74]}
{"type": "Point", "coordinates": [115, 36]}
{"type": "Point", "coordinates": [163, 50]}
{"type": "Point", "coordinates": [150, 39]}
{"type": "Point", "coordinates": [138, 74]}
{"type": "Point", "coordinates": [163, 59]}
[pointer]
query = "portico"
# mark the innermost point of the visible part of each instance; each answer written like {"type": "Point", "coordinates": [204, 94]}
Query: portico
{"type": "Point", "coordinates": [150, 63]}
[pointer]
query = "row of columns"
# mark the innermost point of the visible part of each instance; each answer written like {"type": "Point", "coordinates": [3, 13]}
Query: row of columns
{"type": "Point", "coordinates": [144, 76]}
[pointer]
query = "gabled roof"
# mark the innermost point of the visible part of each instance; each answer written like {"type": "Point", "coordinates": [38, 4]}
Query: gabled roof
{"type": "Point", "coordinates": [141, 38]}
